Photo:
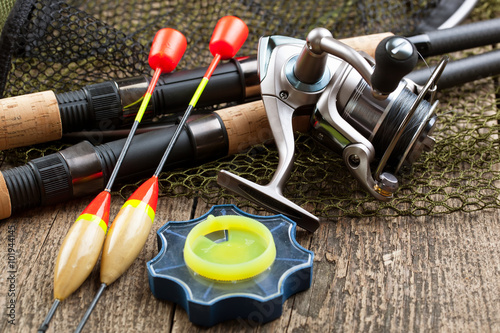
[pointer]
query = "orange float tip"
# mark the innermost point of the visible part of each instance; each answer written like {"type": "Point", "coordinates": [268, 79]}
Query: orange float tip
{"type": "Point", "coordinates": [167, 49]}
{"type": "Point", "coordinates": [147, 192]}
{"type": "Point", "coordinates": [229, 35]}
{"type": "Point", "coordinates": [100, 206]}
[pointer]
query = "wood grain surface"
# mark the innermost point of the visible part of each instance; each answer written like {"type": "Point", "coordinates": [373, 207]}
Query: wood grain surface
{"type": "Point", "coordinates": [405, 274]}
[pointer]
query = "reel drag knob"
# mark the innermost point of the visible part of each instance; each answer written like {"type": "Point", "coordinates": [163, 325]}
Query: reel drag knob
{"type": "Point", "coordinates": [395, 57]}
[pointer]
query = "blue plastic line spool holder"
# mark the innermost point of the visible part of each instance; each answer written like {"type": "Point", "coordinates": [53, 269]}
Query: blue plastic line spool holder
{"type": "Point", "coordinates": [208, 302]}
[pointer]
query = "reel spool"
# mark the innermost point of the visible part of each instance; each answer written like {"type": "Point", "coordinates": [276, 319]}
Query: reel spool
{"type": "Point", "coordinates": [396, 122]}
{"type": "Point", "coordinates": [365, 113]}
{"type": "Point", "coordinates": [379, 120]}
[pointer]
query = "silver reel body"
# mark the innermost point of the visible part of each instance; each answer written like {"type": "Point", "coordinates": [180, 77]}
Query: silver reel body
{"type": "Point", "coordinates": [333, 82]}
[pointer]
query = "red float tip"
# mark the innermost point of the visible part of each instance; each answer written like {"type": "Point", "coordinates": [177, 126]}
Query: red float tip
{"type": "Point", "coordinates": [100, 206]}
{"type": "Point", "coordinates": [167, 49]}
{"type": "Point", "coordinates": [229, 35]}
{"type": "Point", "coordinates": [147, 192]}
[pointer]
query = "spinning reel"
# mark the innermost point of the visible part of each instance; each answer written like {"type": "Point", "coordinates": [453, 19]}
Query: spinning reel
{"type": "Point", "coordinates": [364, 112]}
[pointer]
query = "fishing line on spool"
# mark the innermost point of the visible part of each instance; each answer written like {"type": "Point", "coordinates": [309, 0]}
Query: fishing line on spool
{"type": "Point", "coordinates": [393, 119]}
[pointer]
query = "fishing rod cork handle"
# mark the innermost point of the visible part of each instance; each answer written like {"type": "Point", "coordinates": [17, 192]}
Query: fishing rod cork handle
{"type": "Point", "coordinates": [45, 116]}
{"type": "Point", "coordinates": [5, 205]}
{"type": "Point", "coordinates": [247, 125]}
{"type": "Point", "coordinates": [368, 43]}
{"type": "Point", "coordinates": [25, 119]}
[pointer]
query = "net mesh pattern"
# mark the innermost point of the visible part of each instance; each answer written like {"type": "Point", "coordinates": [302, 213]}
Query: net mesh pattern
{"type": "Point", "coordinates": [65, 45]}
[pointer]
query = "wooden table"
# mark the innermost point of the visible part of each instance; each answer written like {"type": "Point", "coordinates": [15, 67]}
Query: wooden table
{"type": "Point", "coordinates": [401, 274]}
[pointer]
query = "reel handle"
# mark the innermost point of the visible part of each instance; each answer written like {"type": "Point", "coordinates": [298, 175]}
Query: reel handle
{"type": "Point", "coordinates": [395, 57]}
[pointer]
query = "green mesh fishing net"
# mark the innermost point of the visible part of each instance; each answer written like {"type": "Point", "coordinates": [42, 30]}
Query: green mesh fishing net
{"type": "Point", "coordinates": [65, 45]}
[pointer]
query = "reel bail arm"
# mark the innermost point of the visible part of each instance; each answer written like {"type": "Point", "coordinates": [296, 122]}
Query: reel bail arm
{"type": "Point", "coordinates": [430, 87]}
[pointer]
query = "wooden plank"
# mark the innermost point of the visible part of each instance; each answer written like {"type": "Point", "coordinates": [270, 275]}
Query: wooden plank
{"type": "Point", "coordinates": [404, 274]}
{"type": "Point", "coordinates": [28, 236]}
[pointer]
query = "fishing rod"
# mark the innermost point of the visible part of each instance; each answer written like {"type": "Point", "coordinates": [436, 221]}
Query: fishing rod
{"type": "Point", "coordinates": [46, 116]}
{"type": "Point", "coordinates": [461, 71]}
{"type": "Point", "coordinates": [83, 169]}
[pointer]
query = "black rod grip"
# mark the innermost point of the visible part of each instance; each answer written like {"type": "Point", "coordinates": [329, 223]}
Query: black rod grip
{"type": "Point", "coordinates": [174, 91]}
{"type": "Point", "coordinates": [23, 188]}
{"type": "Point", "coordinates": [43, 181]}
{"type": "Point", "coordinates": [462, 71]}
{"type": "Point", "coordinates": [87, 107]}
{"type": "Point", "coordinates": [459, 38]}
{"type": "Point", "coordinates": [145, 153]}
{"type": "Point", "coordinates": [106, 105]}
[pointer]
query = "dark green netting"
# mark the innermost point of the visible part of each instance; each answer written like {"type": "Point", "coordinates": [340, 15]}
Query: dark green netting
{"type": "Point", "coordinates": [64, 45]}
